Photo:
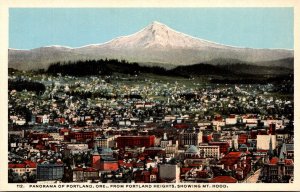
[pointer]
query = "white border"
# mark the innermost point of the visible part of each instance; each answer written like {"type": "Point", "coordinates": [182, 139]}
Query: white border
{"type": "Point", "coordinates": [4, 19]}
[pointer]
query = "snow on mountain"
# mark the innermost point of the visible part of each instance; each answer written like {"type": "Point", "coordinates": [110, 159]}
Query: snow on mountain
{"type": "Point", "coordinates": [156, 44]}
{"type": "Point", "coordinates": [157, 35]}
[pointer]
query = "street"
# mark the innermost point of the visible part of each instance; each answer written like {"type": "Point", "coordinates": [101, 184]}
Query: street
{"type": "Point", "coordinates": [253, 178]}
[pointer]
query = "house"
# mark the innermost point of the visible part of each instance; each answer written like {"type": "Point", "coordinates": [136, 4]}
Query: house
{"type": "Point", "coordinates": [144, 176]}
{"type": "Point", "coordinates": [231, 120]}
{"type": "Point", "coordinates": [22, 168]}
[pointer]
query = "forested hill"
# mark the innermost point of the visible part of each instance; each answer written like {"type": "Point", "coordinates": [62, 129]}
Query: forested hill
{"type": "Point", "coordinates": [102, 67]}
{"type": "Point", "coordinates": [108, 67]}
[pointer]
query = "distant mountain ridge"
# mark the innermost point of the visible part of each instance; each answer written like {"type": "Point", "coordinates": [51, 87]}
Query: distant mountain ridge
{"type": "Point", "coordinates": [157, 44]}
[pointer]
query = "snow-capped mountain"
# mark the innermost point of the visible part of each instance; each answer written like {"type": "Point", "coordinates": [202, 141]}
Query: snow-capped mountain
{"type": "Point", "coordinates": [158, 35]}
{"type": "Point", "coordinates": [156, 44]}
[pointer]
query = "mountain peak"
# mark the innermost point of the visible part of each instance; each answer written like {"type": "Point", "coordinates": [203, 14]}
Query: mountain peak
{"type": "Point", "coordinates": [156, 23]}
{"type": "Point", "coordinates": [157, 26]}
{"type": "Point", "coordinates": [157, 34]}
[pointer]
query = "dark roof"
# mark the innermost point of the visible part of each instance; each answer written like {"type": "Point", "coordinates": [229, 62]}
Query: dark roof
{"type": "Point", "coordinates": [192, 149]}
{"type": "Point", "coordinates": [50, 165]}
{"type": "Point", "coordinates": [223, 179]}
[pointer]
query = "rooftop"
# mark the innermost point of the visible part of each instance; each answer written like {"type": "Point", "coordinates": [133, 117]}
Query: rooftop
{"type": "Point", "coordinates": [223, 179]}
{"type": "Point", "coordinates": [192, 149]}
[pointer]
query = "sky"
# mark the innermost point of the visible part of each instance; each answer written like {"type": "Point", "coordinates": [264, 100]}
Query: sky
{"type": "Point", "coordinates": [243, 27]}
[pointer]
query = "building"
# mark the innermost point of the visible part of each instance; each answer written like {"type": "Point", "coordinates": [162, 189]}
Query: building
{"type": "Point", "coordinates": [216, 136]}
{"type": "Point", "coordinates": [237, 163]}
{"type": "Point", "coordinates": [169, 173]}
{"type": "Point", "coordinates": [108, 164]}
{"type": "Point", "coordinates": [190, 137]}
{"type": "Point", "coordinates": [82, 135]}
{"type": "Point", "coordinates": [192, 152]}
{"type": "Point", "coordinates": [263, 142]}
{"type": "Point", "coordinates": [223, 179]}
{"type": "Point", "coordinates": [22, 168]}
{"type": "Point", "coordinates": [210, 151]}
{"type": "Point", "coordinates": [142, 176]}
{"type": "Point", "coordinates": [234, 142]}
{"type": "Point", "coordinates": [105, 141]}
{"type": "Point", "coordinates": [47, 171]}
{"type": "Point", "coordinates": [290, 150]}
{"type": "Point", "coordinates": [231, 160]}
{"type": "Point", "coordinates": [84, 174]}
{"type": "Point", "coordinates": [231, 120]}
{"type": "Point", "coordinates": [223, 146]}
{"type": "Point", "coordinates": [56, 136]}
{"type": "Point", "coordinates": [95, 158]}
{"type": "Point", "coordinates": [135, 141]}
{"type": "Point", "coordinates": [250, 119]}
{"type": "Point", "coordinates": [278, 169]}
{"type": "Point", "coordinates": [165, 142]}
{"type": "Point", "coordinates": [19, 133]}
{"type": "Point", "coordinates": [77, 146]}
{"type": "Point", "coordinates": [171, 150]}
{"type": "Point", "coordinates": [155, 151]}
{"type": "Point", "coordinates": [194, 158]}
{"type": "Point", "coordinates": [242, 139]}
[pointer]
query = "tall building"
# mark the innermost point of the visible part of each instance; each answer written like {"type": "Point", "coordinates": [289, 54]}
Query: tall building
{"type": "Point", "coordinates": [165, 142]}
{"type": "Point", "coordinates": [95, 158]}
{"type": "Point", "coordinates": [46, 172]}
{"type": "Point", "coordinates": [190, 137]}
{"type": "Point", "coordinates": [169, 173]}
{"type": "Point", "coordinates": [263, 142]}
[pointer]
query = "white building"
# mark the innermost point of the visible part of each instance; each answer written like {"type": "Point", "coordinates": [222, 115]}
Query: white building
{"type": "Point", "coordinates": [56, 136]}
{"type": "Point", "coordinates": [250, 120]}
{"type": "Point", "coordinates": [218, 124]}
{"type": "Point", "coordinates": [210, 151]}
{"type": "Point", "coordinates": [45, 119]}
{"type": "Point", "coordinates": [234, 142]}
{"type": "Point", "coordinates": [263, 142]}
{"type": "Point", "coordinates": [20, 122]}
{"type": "Point", "coordinates": [231, 120]}
{"type": "Point", "coordinates": [164, 141]}
{"type": "Point", "coordinates": [278, 123]}
{"type": "Point", "coordinates": [77, 146]}
{"type": "Point", "coordinates": [105, 141]}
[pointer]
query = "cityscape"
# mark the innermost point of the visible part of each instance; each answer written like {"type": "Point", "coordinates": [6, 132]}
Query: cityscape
{"type": "Point", "coordinates": [155, 106]}
{"type": "Point", "coordinates": [148, 129]}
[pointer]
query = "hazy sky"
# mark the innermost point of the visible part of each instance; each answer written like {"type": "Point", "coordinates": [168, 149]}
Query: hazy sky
{"type": "Point", "coordinates": [245, 27]}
